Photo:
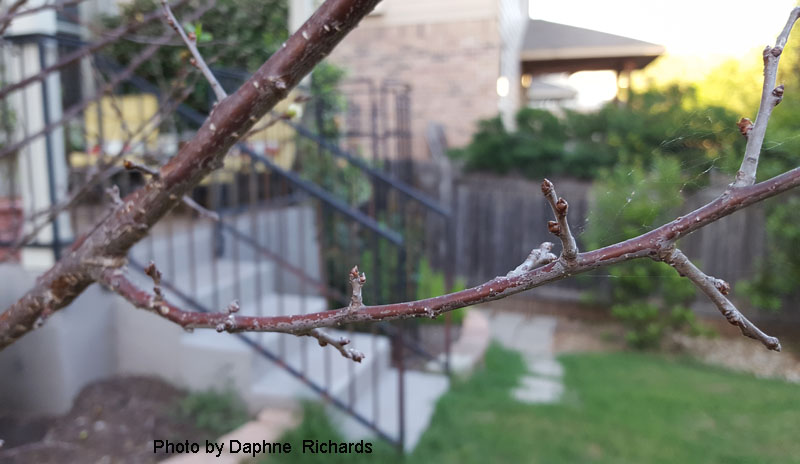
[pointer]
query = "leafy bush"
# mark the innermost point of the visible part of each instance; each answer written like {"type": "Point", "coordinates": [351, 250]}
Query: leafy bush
{"type": "Point", "coordinates": [643, 155]}
{"type": "Point", "coordinates": [216, 412]}
{"type": "Point", "coordinates": [431, 283]}
{"type": "Point", "coordinates": [649, 297]}
{"type": "Point", "coordinates": [778, 271]}
{"type": "Point", "coordinates": [654, 123]}
{"type": "Point", "coordinates": [535, 149]}
{"type": "Point", "coordinates": [778, 274]}
{"type": "Point", "coordinates": [237, 34]}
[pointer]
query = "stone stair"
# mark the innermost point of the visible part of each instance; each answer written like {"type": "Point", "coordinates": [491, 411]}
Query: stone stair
{"type": "Point", "coordinates": [206, 359]}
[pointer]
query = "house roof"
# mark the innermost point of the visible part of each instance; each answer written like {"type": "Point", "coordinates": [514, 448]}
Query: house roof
{"type": "Point", "coordinates": [553, 47]}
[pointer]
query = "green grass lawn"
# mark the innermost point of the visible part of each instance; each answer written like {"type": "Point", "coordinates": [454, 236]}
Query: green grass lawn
{"type": "Point", "coordinates": [618, 408]}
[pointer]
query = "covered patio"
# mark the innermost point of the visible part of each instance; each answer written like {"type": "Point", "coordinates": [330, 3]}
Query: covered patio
{"type": "Point", "coordinates": [551, 48]}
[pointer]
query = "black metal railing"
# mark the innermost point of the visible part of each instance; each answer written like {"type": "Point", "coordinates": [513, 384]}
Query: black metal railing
{"type": "Point", "coordinates": [296, 211]}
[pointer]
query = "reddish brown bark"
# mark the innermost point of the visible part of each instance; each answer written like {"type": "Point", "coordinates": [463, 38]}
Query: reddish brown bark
{"type": "Point", "coordinates": [100, 255]}
{"type": "Point", "coordinates": [108, 243]}
{"type": "Point", "coordinates": [649, 245]}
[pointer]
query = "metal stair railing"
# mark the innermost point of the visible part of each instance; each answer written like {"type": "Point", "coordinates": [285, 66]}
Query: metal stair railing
{"type": "Point", "coordinates": [269, 194]}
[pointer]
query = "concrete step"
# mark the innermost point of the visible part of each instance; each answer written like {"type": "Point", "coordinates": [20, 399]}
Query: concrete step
{"type": "Point", "coordinates": [289, 232]}
{"type": "Point", "coordinates": [211, 360]}
{"type": "Point", "coordinates": [290, 229]}
{"type": "Point", "coordinates": [212, 356]}
{"type": "Point", "coordinates": [186, 254]}
{"type": "Point", "coordinates": [422, 391]}
{"type": "Point", "coordinates": [171, 247]}
{"type": "Point", "coordinates": [325, 366]}
{"type": "Point", "coordinates": [215, 285]}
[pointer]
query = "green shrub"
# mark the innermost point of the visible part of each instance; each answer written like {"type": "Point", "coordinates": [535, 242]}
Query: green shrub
{"type": "Point", "coordinates": [648, 297]}
{"type": "Point", "coordinates": [431, 283]}
{"type": "Point", "coordinates": [217, 412]}
{"type": "Point", "coordinates": [663, 122]}
{"type": "Point", "coordinates": [777, 275]}
{"type": "Point", "coordinates": [237, 34]}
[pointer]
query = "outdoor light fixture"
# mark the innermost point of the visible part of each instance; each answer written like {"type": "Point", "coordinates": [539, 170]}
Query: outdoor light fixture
{"type": "Point", "coordinates": [502, 86]}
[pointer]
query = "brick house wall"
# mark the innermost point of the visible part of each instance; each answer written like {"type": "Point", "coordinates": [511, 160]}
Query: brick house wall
{"type": "Point", "coordinates": [452, 68]}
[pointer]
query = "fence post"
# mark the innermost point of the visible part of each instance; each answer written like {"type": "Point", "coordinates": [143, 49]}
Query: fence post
{"type": "Point", "coordinates": [41, 170]}
{"type": "Point", "coordinates": [401, 394]}
{"type": "Point", "coordinates": [51, 172]}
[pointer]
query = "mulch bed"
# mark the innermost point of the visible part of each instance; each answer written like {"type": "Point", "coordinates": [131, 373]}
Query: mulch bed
{"type": "Point", "coordinates": [111, 421]}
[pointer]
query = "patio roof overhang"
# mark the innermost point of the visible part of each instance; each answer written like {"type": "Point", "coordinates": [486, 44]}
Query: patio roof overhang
{"type": "Point", "coordinates": [555, 48]}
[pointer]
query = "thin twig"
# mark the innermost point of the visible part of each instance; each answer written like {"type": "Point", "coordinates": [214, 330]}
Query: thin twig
{"type": "Point", "coordinates": [356, 282]}
{"type": "Point", "coordinates": [77, 109]}
{"type": "Point", "coordinates": [112, 36]}
{"type": "Point", "coordinates": [538, 257]}
{"type": "Point", "coordinates": [285, 116]}
{"type": "Point", "coordinates": [338, 343]}
{"type": "Point", "coordinates": [140, 168]}
{"type": "Point", "coordinates": [187, 200]}
{"type": "Point", "coordinates": [716, 289]}
{"type": "Point", "coordinates": [100, 173]}
{"type": "Point", "coordinates": [191, 44]}
{"type": "Point", "coordinates": [227, 321]}
{"type": "Point", "coordinates": [155, 275]}
{"type": "Point", "coordinates": [651, 244]}
{"type": "Point", "coordinates": [560, 227]}
{"type": "Point", "coordinates": [11, 13]}
{"type": "Point", "coordinates": [204, 212]}
{"type": "Point", "coordinates": [113, 194]}
{"type": "Point", "coordinates": [115, 234]}
{"type": "Point", "coordinates": [98, 255]}
{"type": "Point", "coordinates": [771, 96]}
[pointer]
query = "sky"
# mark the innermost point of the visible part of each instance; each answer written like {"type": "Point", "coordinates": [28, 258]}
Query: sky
{"type": "Point", "coordinates": [687, 27]}
{"type": "Point", "coordinates": [697, 34]}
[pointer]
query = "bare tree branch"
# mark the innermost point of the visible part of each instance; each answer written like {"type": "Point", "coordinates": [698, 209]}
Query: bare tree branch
{"type": "Point", "coordinates": [13, 12]}
{"type": "Point", "coordinates": [716, 289]}
{"type": "Point", "coordinates": [652, 245]}
{"type": "Point", "coordinates": [338, 343]}
{"type": "Point", "coordinates": [71, 57]}
{"type": "Point", "coordinates": [771, 96]}
{"type": "Point", "coordinates": [115, 280]}
{"type": "Point", "coordinates": [10, 14]}
{"type": "Point", "coordinates": [100, 172]}
{"type": "Point", "coordinates": [191, 44]}
{"type": "Point", "coordinates": [206, 213]}
{"type": "Point", "coordinates": [75, 110]}
{"type": "Point", "coordinates": [99, 256]}
{"type": "Point", "coordinates": [111, 239]}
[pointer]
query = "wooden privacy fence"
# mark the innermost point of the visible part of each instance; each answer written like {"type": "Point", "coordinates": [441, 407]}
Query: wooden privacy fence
{"type": "Point", "coordinates": [497, 220]}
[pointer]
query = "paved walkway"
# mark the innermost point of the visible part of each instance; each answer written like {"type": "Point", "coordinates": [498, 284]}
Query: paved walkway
{"type": "Point", "coordinates": [268, 426]}
{"type": "Point", "coordinates": [532, 336]}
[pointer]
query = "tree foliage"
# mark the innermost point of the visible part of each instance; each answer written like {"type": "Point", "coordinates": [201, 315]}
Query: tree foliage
{"type": "Point", "coordinates": [735, 85]}
{"type": "Point", "coordinates": [653, 123]}
{"type": "Point", "coordinates": [648, 297]}
{"type": "Point", "coordinates": [239, 34]}
{"type": "Point", "coordinates": [642, 156]}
